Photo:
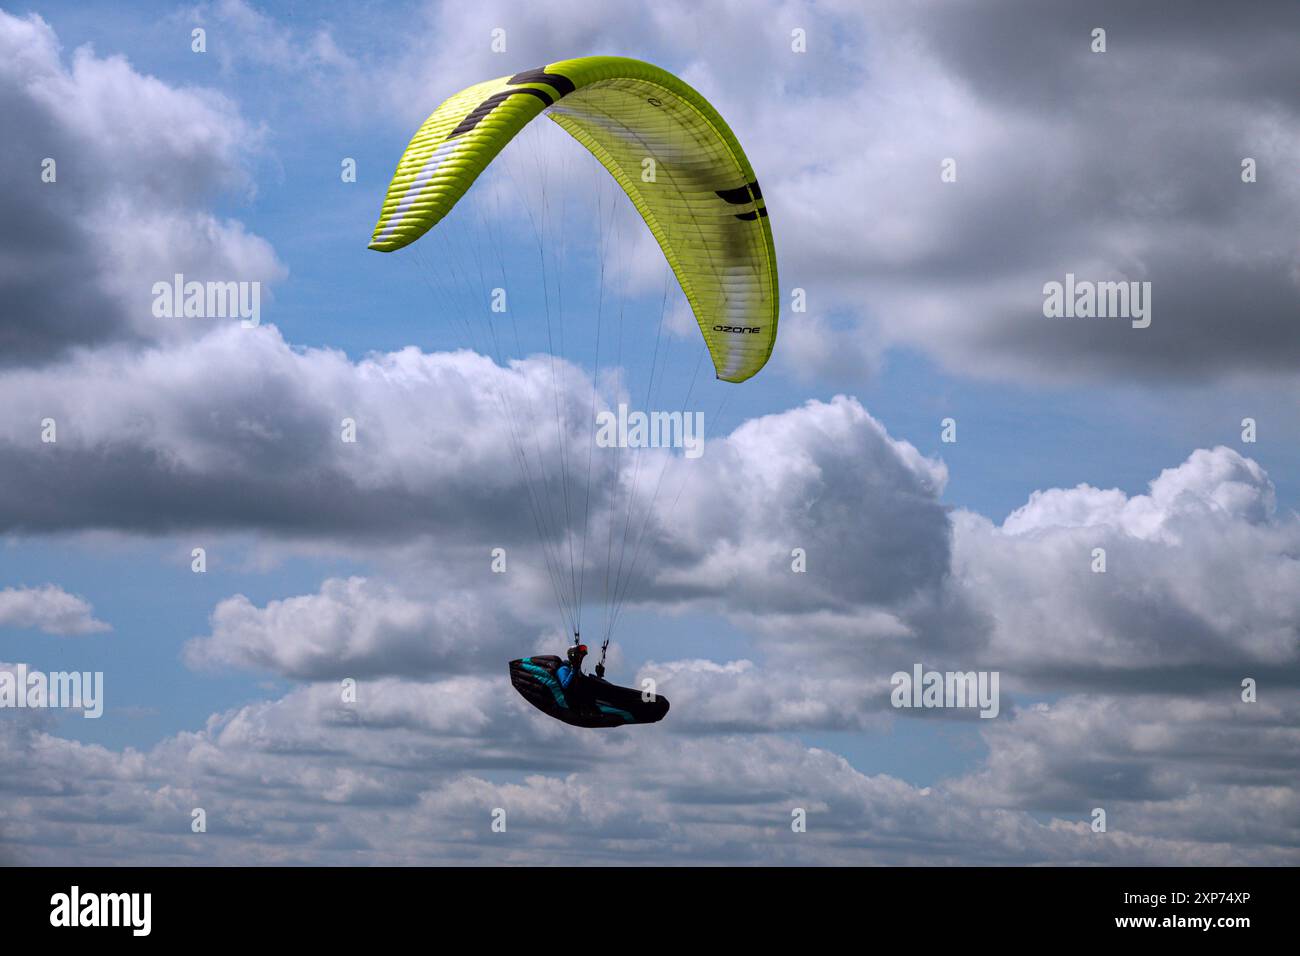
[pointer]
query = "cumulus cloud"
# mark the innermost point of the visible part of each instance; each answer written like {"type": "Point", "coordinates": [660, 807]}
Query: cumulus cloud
{"type": "Point", "coordinates": [358, 628]}
{"type": "Point", "coordinates": [238, 431]}
{"type": "Point", "coordinates": [1201, 584]}
{"type": "Point", "coordinates": [50, 609]}
{"type": "Point", "coordinates": [1213, 771]}
{"type": "Point", "coordinates": [413, 774]}
{"type": "Point", "coordinates": [1142, 750]}
{"type": "Point", "coordinates": [137, 162]}
{"type": "Point", "coordinates": [825, 478]}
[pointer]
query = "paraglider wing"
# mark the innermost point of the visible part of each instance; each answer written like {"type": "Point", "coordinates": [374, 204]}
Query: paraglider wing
{"type": "Point", "coordinates": [667, 147]}
{"type": "Point", "coordinates": [599, 704]}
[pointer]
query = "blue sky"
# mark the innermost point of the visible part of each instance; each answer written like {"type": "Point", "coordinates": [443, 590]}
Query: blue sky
{"type": "Point", "coordinates": [922, 307]}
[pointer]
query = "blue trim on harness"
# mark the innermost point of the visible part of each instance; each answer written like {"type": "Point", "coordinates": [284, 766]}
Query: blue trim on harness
{"type": "Point", "coordinates": [606, 709]}
{"type": "Point", "coordinates": [546, 679]}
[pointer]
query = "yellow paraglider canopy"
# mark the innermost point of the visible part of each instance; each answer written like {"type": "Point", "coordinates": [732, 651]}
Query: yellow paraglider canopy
{"type": "Point", "coordinates": [671, 152]}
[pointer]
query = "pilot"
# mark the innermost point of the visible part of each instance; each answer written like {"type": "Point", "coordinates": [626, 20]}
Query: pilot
{"type": "Point", "coordinates": [573, 680]}
{"type": "Point", "coordinates": [573, 669]}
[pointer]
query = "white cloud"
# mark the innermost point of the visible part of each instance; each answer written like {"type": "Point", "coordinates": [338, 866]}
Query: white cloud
{"type": "Point", "coordinates": [403, 777]}
{"type": "Point", "coordinates": [138, 161]}
{"type": "Point", "coordinates": [1202, 580]}
{"type": "Point", "coordinates": [50, 609]}
{"type": "Point", "coordinates": [357, 627]}
{"type": "Point", "coordinates": [1218, 771]}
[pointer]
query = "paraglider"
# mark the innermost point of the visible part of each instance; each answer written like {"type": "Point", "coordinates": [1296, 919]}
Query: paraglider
{"type": "Point", "coordinates": [580, 699]}
{"type": "Point", "coordinates": [688, 179]}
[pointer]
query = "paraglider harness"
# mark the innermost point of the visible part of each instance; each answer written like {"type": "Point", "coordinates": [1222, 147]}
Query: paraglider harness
{"type": "Point", "coordinates": [558, 687]}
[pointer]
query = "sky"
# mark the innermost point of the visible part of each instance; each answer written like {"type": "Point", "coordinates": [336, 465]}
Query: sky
{"type": "Point", "coordinates": [950, 461]}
